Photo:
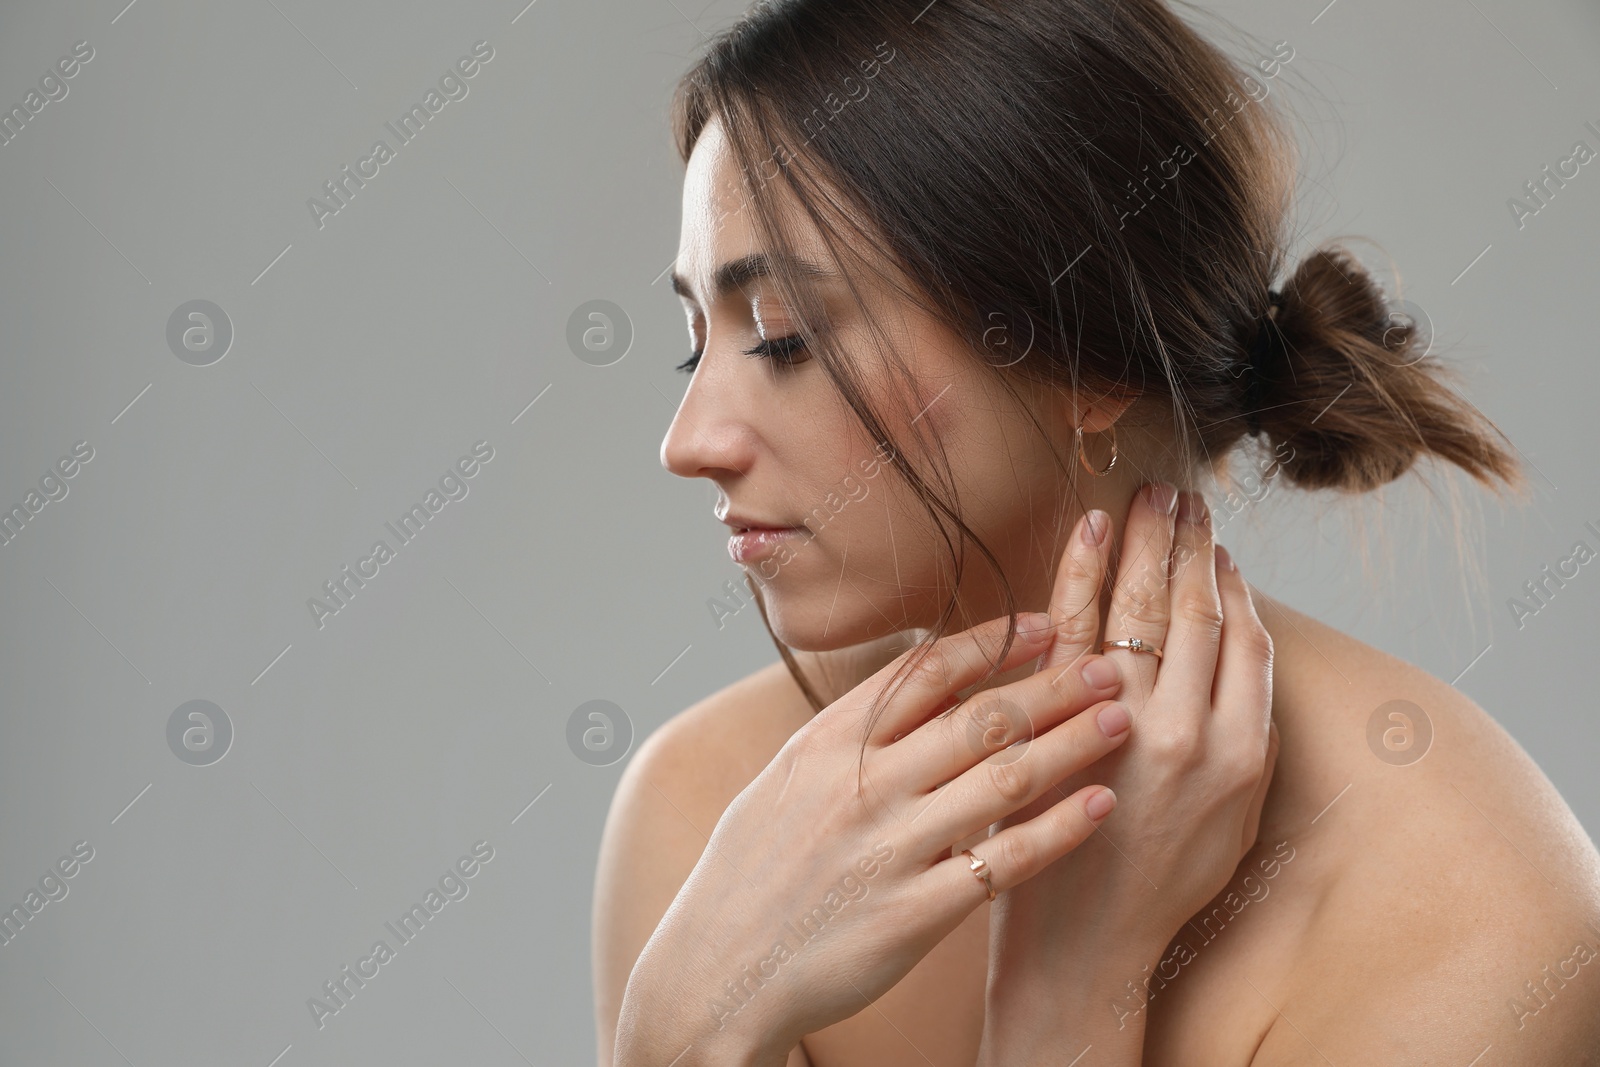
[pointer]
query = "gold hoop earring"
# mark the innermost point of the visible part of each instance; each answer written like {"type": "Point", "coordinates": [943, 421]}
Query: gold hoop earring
{"type": "Point", "coordinates": [1078, 443]}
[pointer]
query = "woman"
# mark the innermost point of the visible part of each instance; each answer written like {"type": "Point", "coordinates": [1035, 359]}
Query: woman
{"type": "Point", "coordinates": [999, 278]}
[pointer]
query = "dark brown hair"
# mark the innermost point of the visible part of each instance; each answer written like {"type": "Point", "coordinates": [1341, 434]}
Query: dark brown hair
{"type": "Point", "coordinates": [1094, 184]}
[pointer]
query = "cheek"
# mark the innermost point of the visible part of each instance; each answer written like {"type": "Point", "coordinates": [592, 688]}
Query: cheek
{"type": "Point", "coordinates": [935, 409]}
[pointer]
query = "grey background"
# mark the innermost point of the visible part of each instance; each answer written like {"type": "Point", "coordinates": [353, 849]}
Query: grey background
{"type": "Point", "coordinates": [432, 711]}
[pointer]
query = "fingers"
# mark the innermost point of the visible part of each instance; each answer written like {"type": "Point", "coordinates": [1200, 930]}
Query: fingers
{"type": "Point", "coordinates": [1139, 601]}
{"type": "Point", "coordinates": [1019, 852]}
{"type": "Point", "coordinates": [1252, 819]}
{"type": "Point", "coordinates": [951, 664]}
{"type": "Point", "coordinates": [1242, 694]}
{"type": "Point", "coordinates": [1075, 599]}
{"type": "Point", "coordinates": [986, 726]}
{"type": "Point", "coordinates": [1014, 777]}
{"type": "Point", "coordinates": [1194, 631]}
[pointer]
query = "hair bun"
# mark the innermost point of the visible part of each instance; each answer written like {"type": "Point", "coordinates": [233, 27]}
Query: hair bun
{"type": "Point", "coordinates": [1353, 401]}
{"type": "Point", "coordinates": [1262, 356]}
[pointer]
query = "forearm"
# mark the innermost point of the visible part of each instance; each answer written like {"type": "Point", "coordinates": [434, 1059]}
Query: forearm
{"type": "Point", "coordinates": [1050, 1010]}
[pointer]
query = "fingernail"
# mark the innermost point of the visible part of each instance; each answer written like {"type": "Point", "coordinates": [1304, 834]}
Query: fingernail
{"type": "Point", "coordinates": [1101, 673]}
{"type": "Point", "coordinates": [1100, 805]}
{"type": "Point", "coordinates": [1226, 560]}
{"type": "Point", "coordinates": [1192, 508]}
{"type": "Point", "coordinates": [1034, 623]}
{"type": "Point", "coordinates": [1113, 720]}
{"type": "Point", "coordinates": [1095, 524]}
{"type": "Point", "coordinates": [1163, 498]}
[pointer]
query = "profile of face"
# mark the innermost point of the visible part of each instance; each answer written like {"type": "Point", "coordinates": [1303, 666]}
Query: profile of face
{"type": "Point", "coordinates": [768, 426]}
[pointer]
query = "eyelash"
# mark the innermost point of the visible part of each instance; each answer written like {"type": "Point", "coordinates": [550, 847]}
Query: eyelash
{"type": "Point", "coordinates": [780, 349]}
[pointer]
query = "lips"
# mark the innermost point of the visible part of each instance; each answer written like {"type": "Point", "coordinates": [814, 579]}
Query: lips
{"type": "Point", "coordinates": [750, 544]}
{"type": "Point", "coordinates": [744, 524]}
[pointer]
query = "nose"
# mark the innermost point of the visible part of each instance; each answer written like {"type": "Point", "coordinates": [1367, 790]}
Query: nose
{"type": "Point", "coordinates": [711, 435]}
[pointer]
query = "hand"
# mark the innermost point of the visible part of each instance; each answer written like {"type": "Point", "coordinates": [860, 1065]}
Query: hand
{"type": "Point", "coordinates": [1191, 780]}
{"type": "Point", "coordinates": [861, 851]}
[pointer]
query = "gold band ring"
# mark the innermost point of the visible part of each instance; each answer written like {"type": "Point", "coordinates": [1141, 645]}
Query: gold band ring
{"type": "Point", "coordinates": [981, 869]}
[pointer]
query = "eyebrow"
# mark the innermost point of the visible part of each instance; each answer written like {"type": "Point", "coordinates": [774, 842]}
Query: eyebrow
{"type": "Point", "coordinates": [736, 273]}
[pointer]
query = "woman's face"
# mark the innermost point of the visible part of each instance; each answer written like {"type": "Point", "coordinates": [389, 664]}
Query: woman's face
{"type": "Point", "coordinates": [785, 450]}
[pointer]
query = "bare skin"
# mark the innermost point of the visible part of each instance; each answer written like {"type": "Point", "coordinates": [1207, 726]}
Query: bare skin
{"type": "Point", "coordinates": [1407, 906]}
{"type": "Point", "coordinates": [1406, 919]}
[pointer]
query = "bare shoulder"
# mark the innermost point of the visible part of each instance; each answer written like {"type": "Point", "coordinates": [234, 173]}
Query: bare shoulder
{"type": "Point", "coordinates": [704, 756]}
{"type": "Point", "coordinates": [1452, 899]}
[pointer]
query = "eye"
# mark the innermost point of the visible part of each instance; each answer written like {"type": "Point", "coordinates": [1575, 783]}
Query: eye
{"type": "Point", "coordinates": [781, 349]}
{"type": "Point", "coordinates": [688, 365]}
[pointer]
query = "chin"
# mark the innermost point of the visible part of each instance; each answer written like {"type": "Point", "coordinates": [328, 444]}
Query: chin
{"type": "Point", "coordinates": [818, 623]}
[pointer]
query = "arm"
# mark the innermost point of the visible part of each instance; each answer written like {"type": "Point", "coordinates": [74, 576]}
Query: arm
{"type": "Point", "coordinates": [732, 970]}
{"type": "Point", "coordinates": [654, 835]}
{"type": "Point", "coordinates": [1071, 945]}
{"type": "Point", "coordinates": [1041, 1010]}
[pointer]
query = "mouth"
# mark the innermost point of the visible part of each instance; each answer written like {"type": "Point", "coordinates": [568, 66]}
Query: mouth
{"type": "Point", "coordinates": [750, 543]}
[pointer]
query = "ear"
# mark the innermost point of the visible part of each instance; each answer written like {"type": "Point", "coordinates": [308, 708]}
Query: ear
{"type": "Point", "coordinates": [1099, 413]}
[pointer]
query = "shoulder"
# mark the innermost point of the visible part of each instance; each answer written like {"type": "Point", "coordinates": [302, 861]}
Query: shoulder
{"type": "Point", "coordinates": [704, 756]}
{"type": "Point", "coordinates": [687, 772]}
{"type": "Point", "coordinates": [1456, 897]}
